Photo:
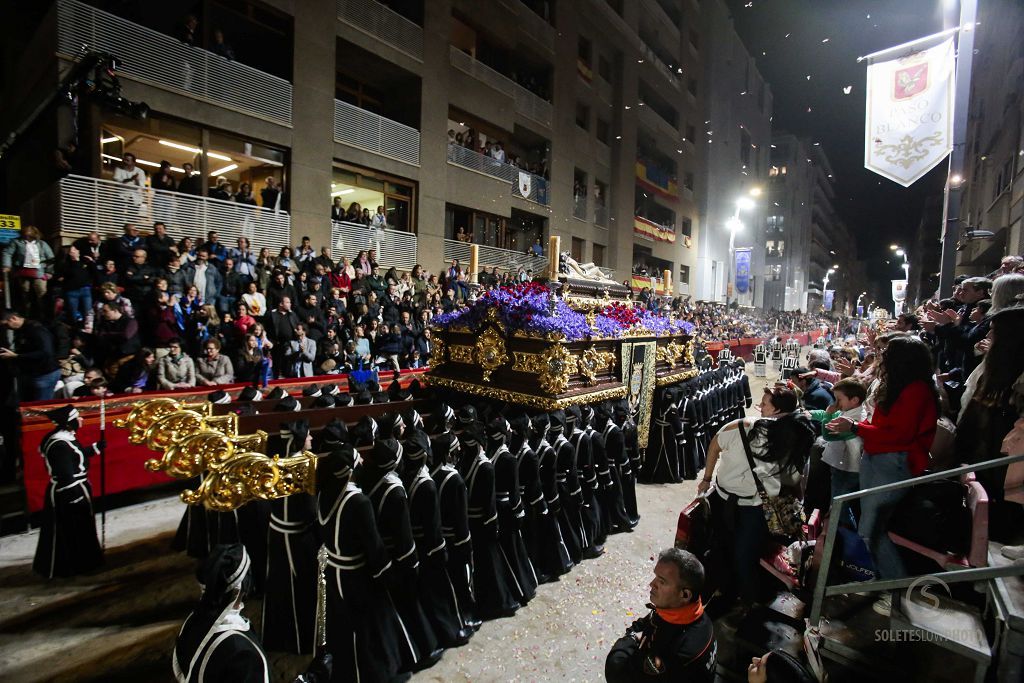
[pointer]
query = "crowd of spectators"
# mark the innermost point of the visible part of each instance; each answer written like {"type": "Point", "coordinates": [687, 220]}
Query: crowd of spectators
{"type": "Point", "coordinates": [495, 149]}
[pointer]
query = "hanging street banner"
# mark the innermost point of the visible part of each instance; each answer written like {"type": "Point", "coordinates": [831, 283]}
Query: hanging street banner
{"type": "Point", "coordinates": [830, 296]}
{"type": "Point", "coordinates": [743, 270]}
{"type": "Point", "coordinates": [899, 290]}
{"type": "Point", "coordinates": [909, 122]}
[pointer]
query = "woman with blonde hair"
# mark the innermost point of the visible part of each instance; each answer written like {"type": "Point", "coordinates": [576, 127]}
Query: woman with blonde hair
{"type": "Point", "coordinates": [29, 260]}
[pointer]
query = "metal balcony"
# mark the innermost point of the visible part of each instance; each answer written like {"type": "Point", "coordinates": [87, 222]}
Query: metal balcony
{"type": "Point", "coordinates": [88, 204]}
{"type": "Point", "coordinates": [395, 248]}
{"type": "Point", "coordinates": [384, 24]}
{"type": "Point", "coordinates": [490, 257]}
{"type": "Point", "coordinates": [374, 133]}
{"type": "Point", "coordinates": [526, 103]}
{"type": "Point", "coordinates": [164, 62]}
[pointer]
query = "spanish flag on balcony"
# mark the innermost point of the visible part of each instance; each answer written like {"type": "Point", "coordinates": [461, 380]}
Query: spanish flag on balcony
{"type": "Point", "coordinates": [657, 181]}
{"type": "Point", "coordinates": [650, 229]}
{"type": "Point", "coordinates": [655, 284]}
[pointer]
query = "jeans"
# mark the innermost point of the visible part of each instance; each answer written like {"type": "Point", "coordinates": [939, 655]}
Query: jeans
{"type": "Point", "coordinates": [42, 386]}
{"type": "Point", "coordinates": [844, 482]}
{"type": "Point", "coordinates": [79, 303]}
{"type": "Point", "coordinates": [875, 510]}
{"type": "Point", "coordinates": [738, 544]}
{"type": "Point", "coordinates": [226, 304]}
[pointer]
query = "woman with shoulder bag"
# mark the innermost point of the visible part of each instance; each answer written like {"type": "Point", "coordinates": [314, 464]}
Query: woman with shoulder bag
{"type": "Point", "coordinates": [753, 462]}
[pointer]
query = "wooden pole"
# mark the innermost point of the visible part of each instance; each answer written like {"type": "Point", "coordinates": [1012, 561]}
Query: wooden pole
{"type": "Point", "coordinates": [474, 262]}
{"type": "Point", "coordinates": [554, 250]}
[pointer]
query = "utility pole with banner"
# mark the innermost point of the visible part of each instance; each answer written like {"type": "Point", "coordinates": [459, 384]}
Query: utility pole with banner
{"type": "Point", "coordinates": [917, 103]}
{"type": "Point", "coordinates": [899, 296]}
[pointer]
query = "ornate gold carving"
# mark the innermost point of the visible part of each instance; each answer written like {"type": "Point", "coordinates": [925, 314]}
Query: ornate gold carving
{"type": "Point", "coordinates": [593, 362]}
{"type": "Point", "coordinates": [461, 354]}
{"type": "Point", "coordinates": [677, 377]}
{"type": "Point", "coordinates": [556, 368]}
{"type": "Point", "coordinates": [490, 352]}
{"type": "Point", "coordinates": [671, 352]}
{"type": "Point", "coordinates": [204, 450]}
{"type": "Point", "coordinates": [527, 362]}
{"type": "Point", "coordinates": [529, 400]}
{"type": "Point", "coordinates": [437, 358]}
{"type": "Point", "coordinates": [143, 415]}
{"type": "Point", "coordinates": [251, 476]}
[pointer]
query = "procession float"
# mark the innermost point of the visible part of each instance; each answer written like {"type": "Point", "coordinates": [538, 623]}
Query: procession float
{"type": "Point", "coordinates": [572, 337]}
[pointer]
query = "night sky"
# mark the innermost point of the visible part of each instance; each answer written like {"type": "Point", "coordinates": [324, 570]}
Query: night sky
{"type": "Point", "coordinates": [788, 40]}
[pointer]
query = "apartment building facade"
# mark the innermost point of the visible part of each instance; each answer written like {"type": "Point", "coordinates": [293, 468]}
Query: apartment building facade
{"type": "Point", "coordinates": [593, 104]}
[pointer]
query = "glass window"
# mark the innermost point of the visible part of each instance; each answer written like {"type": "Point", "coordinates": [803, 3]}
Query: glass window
{"type": "Point", "coordinates": [363, 188]}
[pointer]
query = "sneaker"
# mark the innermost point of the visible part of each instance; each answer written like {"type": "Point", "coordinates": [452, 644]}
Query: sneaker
{"type": "Point", "coordinates": [883, 605]}
{"type": "Point", "coordinates": [1013, 552]}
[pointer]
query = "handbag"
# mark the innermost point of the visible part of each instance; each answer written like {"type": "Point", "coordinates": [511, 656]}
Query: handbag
{"type": "Point", "coordinates": [784, 513]}
{"type": "Point", "coordinates": [693, 529]}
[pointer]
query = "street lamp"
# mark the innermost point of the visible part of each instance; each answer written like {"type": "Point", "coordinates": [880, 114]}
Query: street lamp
{"type": "Point", "coordinates": [861, 296]}
{"type": "Point", "coordinates": [734, 224]}
{"type": "Point", "coordinates": [900, 251]}
{"type": "Point", "coordinates": [824, 284]}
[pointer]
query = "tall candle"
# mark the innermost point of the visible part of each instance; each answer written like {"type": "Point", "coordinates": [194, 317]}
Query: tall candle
{"type": "Point", "coordinates": [554, 249]}
{"type": "Point", "coordinates": [474, 257]}
{"type": "Point", "coordinates": [667, 275]}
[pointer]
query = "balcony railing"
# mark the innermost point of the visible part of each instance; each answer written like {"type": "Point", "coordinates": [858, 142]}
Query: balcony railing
{"type": "Point", "coordinates": [366, 130]}
{"type": "Point", "coordinates": [88, 204]}
{"type": "Point", "coordinates": [395, 248]}
{"type": "Point", "coordinates": [481, 163]}
{"type": "Point", "coordinates": [384, 24]}
{"type": "Point", "coordinates": [601, 215]}
{"type": "Point", "coordinates": [526, 102]}
{"type": "Point", "coordinates": [579, 207]}
{"type": "Point", "coordinates": [531, 187]}
{"type": "Point", "coordinates": [490, 257]}
{"type": "Point", "coordinates": [159, 60]}
{"type": "Point", "coordinates": [649, 56]}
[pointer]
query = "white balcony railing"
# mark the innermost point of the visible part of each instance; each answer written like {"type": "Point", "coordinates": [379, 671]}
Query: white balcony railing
{"type": "Point", "coordinates": [374, 133]}
{"type": "Point", "coordinates": [481, 163]}
{"type": "Point", "coordinates": [395, 248]}
{"type": "Point", "coordinates": [526, 102]}
{"type": "Point", "coordinates": [526, 185]}
{"type": "Point", "coordinates": [88, 204]}
{"type": "Point", "coordinates": [384, 24]}
{"type": "Point", "coordinates": [164, 62]}
{"type": "Point", "coordinates": [490, 257]}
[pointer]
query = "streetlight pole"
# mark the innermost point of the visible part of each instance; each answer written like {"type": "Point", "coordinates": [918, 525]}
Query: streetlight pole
{"type": "Point", "coordinates": [824, 285]}
{"type": "Point", "coordinates": [900, 251]}
{"type": "Point", "coordinates": [734, 224]}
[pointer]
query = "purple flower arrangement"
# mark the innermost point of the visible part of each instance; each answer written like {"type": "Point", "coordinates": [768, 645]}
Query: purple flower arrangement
{"type": "Point", "coordinates": [527, 308]}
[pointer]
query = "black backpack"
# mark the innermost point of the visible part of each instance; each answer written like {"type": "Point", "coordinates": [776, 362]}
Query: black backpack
{"type": "Point", "coordinates": [936, 516]}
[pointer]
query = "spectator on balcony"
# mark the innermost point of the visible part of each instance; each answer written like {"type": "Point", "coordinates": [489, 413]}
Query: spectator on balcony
{"type": "Point", "coordinates": [245, 195]}
{"type": "Point", "coordinates": [162, 324]}
{"type": "Point", "coordinates": [337, 210]}
{"type": "Point", "coordinates": [220, 46]}
{"type": "Point", "coordinates": [177, 277]}
{"type": "Point", "coordinates": [30, 261]}
{"type": "Point", "coordinates": [121, 249]}
{"type": "Point", "coordinates": [222, 190]}
{"type": "Point", "coordinates": [462, 236]}
{"type": "Point", "coordinates": [139, 277]}
{"type": "Point", "coordinates": [66, 159]}
{"type": "Point", "coordinates": [175, 370]}
{"type": "Point", "coordinates": [244, 260]}
{"type": "Point", "coordinates": [325, 262]}
{"type": "Point", "coordinates": [159, 246]}
{"type": "Point", "coordinates": [451, 136]}
{"type": "Point", "coordinates": [213, 367]}
{"type": "Point", "coordinates": [255, 301]}
{"type": "Point", "coordinates": [271, 194]}
{"type": "Point", "coordinates": [75, 277]}
{"type": "Point", "coordinates": [33, 356]}
{"type": "Point", "coordinates": [498, 152]}
{"type": "Point", "coordinates": [354, 212]}
{"type": "Point", "coordinates": [189, 31]}
{"type": "Point", "coordinates": [190, 182]}
{"type": "Point", "coordinates": [130, 175]}
{"type": "Point", "coordinates": [162, 179]}
{"type": "Point", "coordinates": [204, 276]}
{"type": "Point", "coordinates": [137, 375]}
{"type": "Point", "coordinates": [380, 219]}
{"type": "Point", "coordinates": [362, 264]}
{"type": "Point", "coordinates": [279, 289]}
{"type": "Point", "coordinates": [365, 218]}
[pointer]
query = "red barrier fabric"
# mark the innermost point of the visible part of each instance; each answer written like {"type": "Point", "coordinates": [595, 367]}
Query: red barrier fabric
{"type": "Point", "coordinates": [125, 462]}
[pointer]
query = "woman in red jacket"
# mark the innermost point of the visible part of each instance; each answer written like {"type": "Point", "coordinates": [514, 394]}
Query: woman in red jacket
{"type": "Point", "coordinates": [896, 443]}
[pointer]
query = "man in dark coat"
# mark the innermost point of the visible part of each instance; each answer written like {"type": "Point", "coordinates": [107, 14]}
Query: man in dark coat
{"type": "Point", "coordinates": [815, 395]}
{"type": "Point", "coordinates": [676, 640]}
{"type": "Point", "coordinates": [67, 537]}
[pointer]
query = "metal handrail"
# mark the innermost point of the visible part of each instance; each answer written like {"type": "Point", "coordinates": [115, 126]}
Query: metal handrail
{"type": "Point", "coordinates": [481, 163]}
{"type": "Point", "coordinates": [822, 590]}
{"type": "Point", "coordinates": [88, 204]}
{"type": "Point", "coordinates": [167, 63]}
{"type": "Point", "coordinates": [383, 23]}
{"type": "Point", "coordinates": [494, 256]}
{"type": "Point", "coordinates": [395, 248]}
{"type": "Point", "coordinates": [360, 128]}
